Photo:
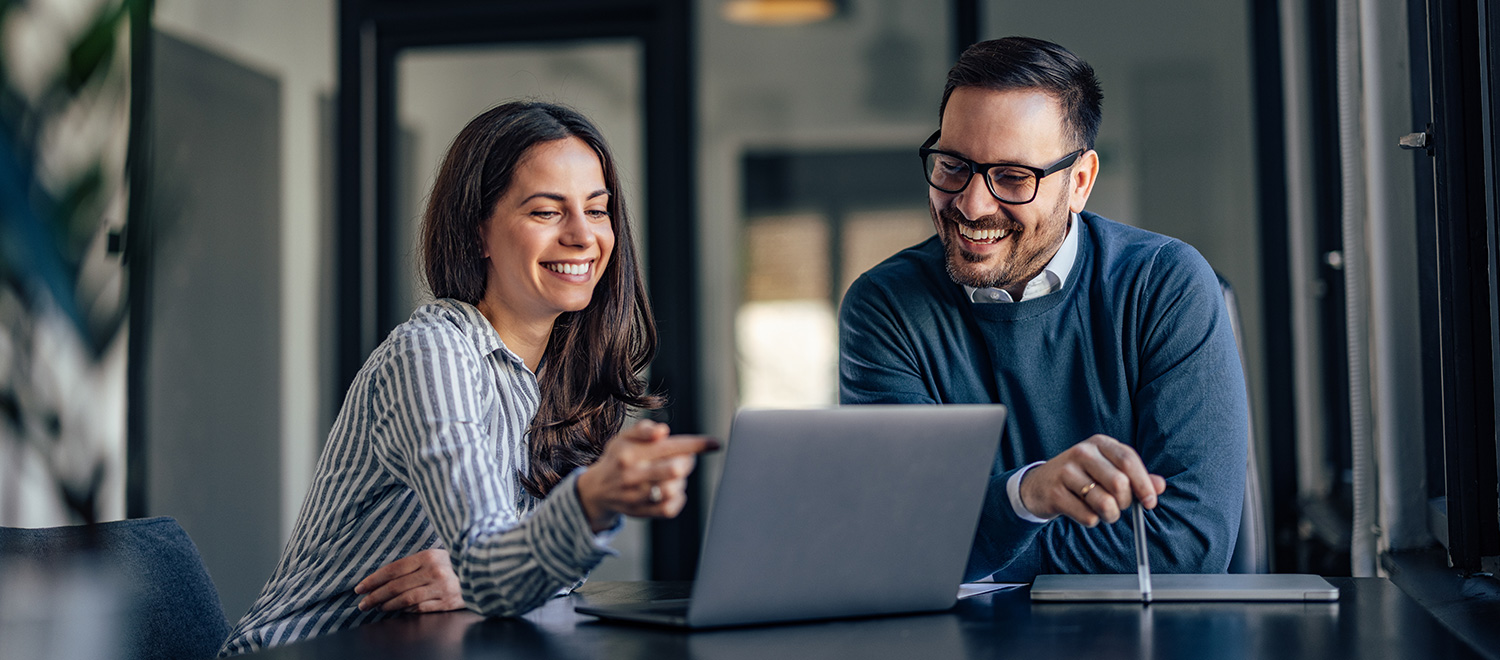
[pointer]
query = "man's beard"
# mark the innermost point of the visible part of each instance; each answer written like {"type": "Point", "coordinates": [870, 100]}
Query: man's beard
{"type": "Point", "coordinates": [1030, 251]}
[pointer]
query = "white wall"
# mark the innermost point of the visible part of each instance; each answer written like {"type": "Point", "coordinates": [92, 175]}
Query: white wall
{"type": "Point", "coordinates": [295, 42]}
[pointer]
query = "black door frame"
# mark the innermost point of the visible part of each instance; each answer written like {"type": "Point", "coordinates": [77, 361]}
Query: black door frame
{"type": "Point", "coordinates": [1276, 278]}
{"type": "Point", "coordinates": [137, 257]}
{"type": "Point", "coordinates": [372, 33]}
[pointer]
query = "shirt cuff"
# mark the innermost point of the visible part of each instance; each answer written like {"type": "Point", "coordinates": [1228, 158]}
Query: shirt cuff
{"type": "Point", "coordinates": [564, 544]}
{"type": "Point", "coordinates": [1013, 490]}
{"type": "Point", "coordinates": [602, 539]}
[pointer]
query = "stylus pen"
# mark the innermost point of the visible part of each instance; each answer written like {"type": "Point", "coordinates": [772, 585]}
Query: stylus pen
{"type": "Point", "coordinates": [1142, 561]}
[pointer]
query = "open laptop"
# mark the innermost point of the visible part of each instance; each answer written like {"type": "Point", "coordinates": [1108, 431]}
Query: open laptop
{"type": "Point", "coordinates": [840, 512]}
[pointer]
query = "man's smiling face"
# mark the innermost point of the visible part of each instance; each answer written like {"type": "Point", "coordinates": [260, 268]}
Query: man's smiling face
{"type": "Point", "coordinates": [990, 243]}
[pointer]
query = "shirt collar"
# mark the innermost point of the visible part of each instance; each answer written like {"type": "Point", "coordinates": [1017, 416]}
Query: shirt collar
{"type": "Point", "coordinates": [479, 330]}
{"type": "Point", "coordinates": [1048, 281]}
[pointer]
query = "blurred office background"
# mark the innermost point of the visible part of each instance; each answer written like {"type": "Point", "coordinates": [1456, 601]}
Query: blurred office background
{"type": "Point", "coordinates": [286, 148]}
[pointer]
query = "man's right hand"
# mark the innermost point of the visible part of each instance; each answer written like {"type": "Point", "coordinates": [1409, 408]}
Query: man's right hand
{"type": "Point", "coordinates": [1092, 481]}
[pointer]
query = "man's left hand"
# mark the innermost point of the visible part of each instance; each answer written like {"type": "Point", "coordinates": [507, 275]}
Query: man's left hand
{"type": "Point", "coordinates": [1092, 481]}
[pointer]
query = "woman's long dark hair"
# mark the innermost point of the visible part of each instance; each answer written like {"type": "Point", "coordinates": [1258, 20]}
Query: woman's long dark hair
{"type": "Point", "coordinates": [590, 374]}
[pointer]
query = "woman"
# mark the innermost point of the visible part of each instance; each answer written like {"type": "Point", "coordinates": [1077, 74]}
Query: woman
{"type": "Point", "coordinates": [469, 428]}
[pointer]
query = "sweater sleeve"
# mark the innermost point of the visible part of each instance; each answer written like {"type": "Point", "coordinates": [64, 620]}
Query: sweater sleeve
{"type": "Point", "coordinates": [432, 433]}
{"type": "Point", "coordinates": [1191, 427]}
{"type": "Point", "coordinates": [877, 364]}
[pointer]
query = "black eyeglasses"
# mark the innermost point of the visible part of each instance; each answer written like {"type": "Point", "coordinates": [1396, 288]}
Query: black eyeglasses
{"type": "Point", "coordinates": [1008, 182]}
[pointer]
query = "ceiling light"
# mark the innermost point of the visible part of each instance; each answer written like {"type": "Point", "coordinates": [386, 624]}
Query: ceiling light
{"type": "Point", "coordinates": [779, 12]}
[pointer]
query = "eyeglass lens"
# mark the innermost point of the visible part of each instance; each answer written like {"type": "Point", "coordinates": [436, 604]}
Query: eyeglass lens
{"type": "Point", "coordinates": [1013, 185]}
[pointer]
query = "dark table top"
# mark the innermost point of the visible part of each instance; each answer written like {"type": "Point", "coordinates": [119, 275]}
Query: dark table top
{"type": "Point", "coordinates": [1372, 619]}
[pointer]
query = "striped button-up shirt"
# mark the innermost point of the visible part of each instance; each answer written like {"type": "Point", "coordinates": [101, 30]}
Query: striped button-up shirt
{"type": "Point", "coordinates": [426, 452]}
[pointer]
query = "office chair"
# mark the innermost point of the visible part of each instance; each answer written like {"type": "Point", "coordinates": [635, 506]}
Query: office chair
{"type": "Point", "coordinates": [173, 607]}
{"type": "Point", "coordinates": [1250, 552]}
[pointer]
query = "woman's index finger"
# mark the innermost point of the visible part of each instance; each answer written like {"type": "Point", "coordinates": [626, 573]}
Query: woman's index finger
{"type": "Point", "coordinates": [684, 444]}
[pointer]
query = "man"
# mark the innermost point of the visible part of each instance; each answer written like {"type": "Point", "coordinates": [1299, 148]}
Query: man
{"type": "Point", "coordinates": [1111, 345]}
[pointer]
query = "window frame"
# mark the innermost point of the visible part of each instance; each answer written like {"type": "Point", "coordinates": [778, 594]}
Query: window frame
{"type": "Point", "coordinates": [1453, 99]}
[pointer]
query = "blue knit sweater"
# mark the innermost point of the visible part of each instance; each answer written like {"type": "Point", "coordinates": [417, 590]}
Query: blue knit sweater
{"type": "Point", "coordinates": [1137, 346]}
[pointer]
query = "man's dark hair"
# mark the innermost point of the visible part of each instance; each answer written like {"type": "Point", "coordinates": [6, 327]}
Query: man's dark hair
{"type": "Point", "coordinates": [1025, 63]}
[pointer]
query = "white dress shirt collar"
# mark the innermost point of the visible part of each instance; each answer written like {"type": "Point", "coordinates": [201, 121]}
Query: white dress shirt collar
{"type": "Point", "coordinates": [1048, 281]}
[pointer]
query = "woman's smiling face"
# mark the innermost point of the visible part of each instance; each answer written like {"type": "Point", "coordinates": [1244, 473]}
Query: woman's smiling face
{"type": "Point", "coordinates": [550, 235]}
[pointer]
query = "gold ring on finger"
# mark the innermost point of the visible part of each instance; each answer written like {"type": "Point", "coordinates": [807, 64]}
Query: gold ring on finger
{"type": "Point", "coordinates": [655, 495]}
{"type": "Point", "coordinates": [1084, 492]}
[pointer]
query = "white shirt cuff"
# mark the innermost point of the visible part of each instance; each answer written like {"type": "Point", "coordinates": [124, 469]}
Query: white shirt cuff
{"type": "Point", "coordinates": [1013, 490]}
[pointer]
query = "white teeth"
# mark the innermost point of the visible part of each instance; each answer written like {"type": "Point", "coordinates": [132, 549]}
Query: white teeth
{"type": "Point", "coordinates": [983, 234]}
{"type": "Point", "coordinates": [569, 269]}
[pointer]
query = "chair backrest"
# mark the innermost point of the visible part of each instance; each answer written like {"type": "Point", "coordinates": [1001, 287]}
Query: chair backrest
{"type": "Point", "coordinates": [174, 608]}
{"type": "Point", "coordinates": [1251, 554]}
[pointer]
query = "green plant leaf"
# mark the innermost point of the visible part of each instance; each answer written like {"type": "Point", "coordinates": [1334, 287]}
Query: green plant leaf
{"type": "Point", "coordinates": [92, 54]}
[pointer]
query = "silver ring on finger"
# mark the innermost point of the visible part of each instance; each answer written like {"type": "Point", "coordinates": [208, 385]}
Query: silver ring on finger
{"type": "Point", "coordinates": [655, 495]}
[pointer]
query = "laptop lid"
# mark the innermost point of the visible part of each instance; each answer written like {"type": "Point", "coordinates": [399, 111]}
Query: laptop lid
{"type": "Point", "coordinates": [1184, 587]}
{"type": "Point", "coordinates": [848, 511]}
